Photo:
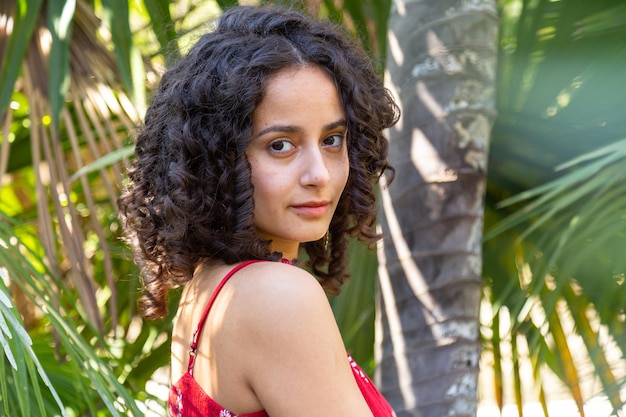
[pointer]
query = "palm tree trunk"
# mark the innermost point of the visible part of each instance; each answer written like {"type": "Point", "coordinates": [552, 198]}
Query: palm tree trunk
{"type": "Point", "coordinates": [440, 67]}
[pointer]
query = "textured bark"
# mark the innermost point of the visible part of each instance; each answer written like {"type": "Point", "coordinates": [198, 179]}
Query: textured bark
{"type": "Point", "coordinates": [440, 66]}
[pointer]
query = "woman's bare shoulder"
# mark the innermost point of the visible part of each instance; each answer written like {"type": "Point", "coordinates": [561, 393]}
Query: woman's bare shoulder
{"type": "Point", "coordinates": [292, 348]}
{"type": "Point", "coordinates": [274, 288]}
{"type": "Point", "coordinates": [276, 302]}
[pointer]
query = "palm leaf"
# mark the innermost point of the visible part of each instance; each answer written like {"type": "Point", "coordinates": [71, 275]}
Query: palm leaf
{"type": "Point", "coordinates": [25, 15]}
{"type": "Point", "coordinates": [60, 16]}
{"type": "Point", "coordinates": [51, 134]}
{"type": "Point", "coordinates": [612, 19]}
{"type": "Point", "coordinates": [354, 308]}
{"type": "Point", "coordinates": [38, 287]}
{"type": "Point", "coordinates": [591, 338]}
{"type": "Point", "coordinates": [556, 188]}
{"type": "Point", "coordinates": [129, 62]}
{"type": "Point", "coordinates": [19, 345]}
{"type": "Point", "coordinates": [161, 21]}
{"type": "Point", "coordinates": [604, 169]}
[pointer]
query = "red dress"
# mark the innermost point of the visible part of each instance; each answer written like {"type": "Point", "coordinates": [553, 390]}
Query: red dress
{"type": "Point", "coordinates": [188, 399]}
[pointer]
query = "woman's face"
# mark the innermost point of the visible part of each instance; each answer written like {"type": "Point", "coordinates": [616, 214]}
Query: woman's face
{"type": "Point", "coordinates": [298, 157]}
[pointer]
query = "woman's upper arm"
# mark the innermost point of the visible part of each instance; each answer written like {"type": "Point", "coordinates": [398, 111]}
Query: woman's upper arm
{"type": "Point", "coordinates": [296, 362]}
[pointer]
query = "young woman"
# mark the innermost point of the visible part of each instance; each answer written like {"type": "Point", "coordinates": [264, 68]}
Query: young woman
{"type": "Point", "coordinates": [261, 147]}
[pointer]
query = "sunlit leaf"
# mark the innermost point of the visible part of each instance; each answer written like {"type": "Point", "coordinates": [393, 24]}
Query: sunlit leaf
{"type": "Point", "coordinates": [104, 162]}
{"type": "Point", "coordinates": [60, 16]}
{"type": "Point", "coordinates": [24, 19]}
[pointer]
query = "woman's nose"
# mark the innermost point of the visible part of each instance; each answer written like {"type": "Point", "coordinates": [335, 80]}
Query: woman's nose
{"type": "Point", "coordinates": [314, 169]}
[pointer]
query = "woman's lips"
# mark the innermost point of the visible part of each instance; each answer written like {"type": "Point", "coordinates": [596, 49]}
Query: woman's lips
{"type": "Point", "coordinates": [312, 209]}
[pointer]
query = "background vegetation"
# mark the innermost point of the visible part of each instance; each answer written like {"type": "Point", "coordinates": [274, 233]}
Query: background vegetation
{"type": "Point", "coordinates": [74, 80]}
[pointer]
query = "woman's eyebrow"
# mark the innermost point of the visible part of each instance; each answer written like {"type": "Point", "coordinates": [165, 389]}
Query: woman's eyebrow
{"type": "Point", "coordinates": [297, 129]}
{"type": "Point", "coordinates": [334, 125]}
{"type": "Point", "coordinates": [279, 128]}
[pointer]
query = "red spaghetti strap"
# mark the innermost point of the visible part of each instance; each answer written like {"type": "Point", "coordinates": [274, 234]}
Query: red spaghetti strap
{"type": "Point", "coordinates": [193, 344]}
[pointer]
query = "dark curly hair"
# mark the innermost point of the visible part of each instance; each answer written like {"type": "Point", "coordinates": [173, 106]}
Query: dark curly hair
{"type": "Point", "coordinates": [190, 197]}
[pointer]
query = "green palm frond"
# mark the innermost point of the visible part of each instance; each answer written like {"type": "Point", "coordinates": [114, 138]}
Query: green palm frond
{"type": "Point", "coordinates": [67, 115]}
{"type": "Point", "coordinates": [355, 308]}
{"type": "Point", "coordinates": [22, 386]}
{"type": "Point", "coordinates": [14, 42]}
{"type": "Point", "coordinates": [592, 176]}
{"type": "Point", "coordinates": [39, 285]}
{"type": "Point", "coordinates": [567, 232]}
{"type": "Point", "coordinates": [555, 222]}
{"type": "Point", "coordinates": [602, 22]}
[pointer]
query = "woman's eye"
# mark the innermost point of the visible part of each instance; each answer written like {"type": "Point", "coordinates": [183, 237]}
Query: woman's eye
{"type": "Point", "coordinates": [334, 140]}
{"type": "Point", "coordinates": [279, 146]}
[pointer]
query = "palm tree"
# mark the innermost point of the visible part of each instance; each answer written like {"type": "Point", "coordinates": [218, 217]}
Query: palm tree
{"type": "Point", "coordinates": [441, 67]}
